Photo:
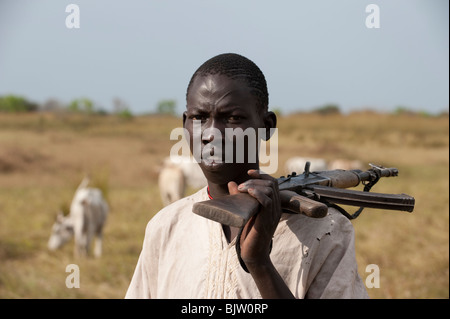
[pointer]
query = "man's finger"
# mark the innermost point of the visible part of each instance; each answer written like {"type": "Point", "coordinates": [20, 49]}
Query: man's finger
{"type": "Point", "coordinates": [255, 183]}
{"type": "Point", "coordinates": [254, 173]}
{"type": "Point", "coordinates": [261, 196]}
{"type": "Point", "coordinates": [233, 188]}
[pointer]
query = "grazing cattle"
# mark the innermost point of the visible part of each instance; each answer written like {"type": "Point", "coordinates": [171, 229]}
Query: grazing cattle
{"type": "Point", "coordinates": [345, 164]}
{"type": "Point", "coordinates": [297, 164]}
{"type": "Point", "coordinates": [177, 173]}
{"type": "Point", "coordinates": [62, 232]}
{"type": "Point", "coordinates": [88, 212]}
{"type": "Point", "coordinates": [171, 184]}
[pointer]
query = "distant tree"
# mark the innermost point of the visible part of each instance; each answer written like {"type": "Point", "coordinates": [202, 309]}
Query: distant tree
{"type": "Point", "coordinates": [83, 105]}
{"type": "Point", "coordinates": [402, 110]}
{"type": "Point", "coordinates": [121, 109]}
{"type": "Point", "coordinates": [166, 107]}
{"type": "Point", "coordinates": [51, 105]}
{"type": "Point", "coordinates": [14, 103]}
{"type": "Point", "coordinates": [119, 105]}
{"type": "Point", "coordinates": [328, 109]}
{"type": "Point", "coordinates": [125, 114]}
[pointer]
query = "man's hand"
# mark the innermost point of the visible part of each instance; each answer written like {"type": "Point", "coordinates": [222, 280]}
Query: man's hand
{"type": "Point", "coordinates": [258, 232]}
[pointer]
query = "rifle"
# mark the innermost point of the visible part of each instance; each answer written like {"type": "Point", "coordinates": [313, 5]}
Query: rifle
{"type": "Point", "coordinates": [311, 193]}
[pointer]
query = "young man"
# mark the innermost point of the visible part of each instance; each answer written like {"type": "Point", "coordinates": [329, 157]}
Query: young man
{"type": "Point", "coordinates": [287, 255]}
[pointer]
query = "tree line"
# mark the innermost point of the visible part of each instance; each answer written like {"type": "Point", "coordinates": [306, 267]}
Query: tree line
{"type": "Point", "coordinates": [14, 104]}
{"type": "Point", "coordinates": [17, 104]}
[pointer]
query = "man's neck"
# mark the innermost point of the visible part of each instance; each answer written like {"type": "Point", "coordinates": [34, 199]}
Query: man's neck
{"type": "Point", "coordinates": [216, 190]}
{"type": "Point", "coordinates": [219, 190]}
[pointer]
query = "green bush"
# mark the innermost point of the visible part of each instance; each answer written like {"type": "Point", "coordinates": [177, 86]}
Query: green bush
{"type": "Point", "coordinates": [13, 103]}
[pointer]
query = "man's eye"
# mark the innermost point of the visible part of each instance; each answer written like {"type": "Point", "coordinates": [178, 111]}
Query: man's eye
{"type": "Point", "coordinates": [235, 118]}
{"type": "Point", "coordinates": [198, 117]}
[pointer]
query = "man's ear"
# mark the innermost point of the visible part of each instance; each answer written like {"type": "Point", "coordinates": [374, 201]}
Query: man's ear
{"type": "Point", "coordinates": [184, 118]}
{"type": "Point", "coordinates": [270, 121]}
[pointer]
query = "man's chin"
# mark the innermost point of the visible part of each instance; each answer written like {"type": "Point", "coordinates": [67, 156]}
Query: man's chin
{"type": "Point", "coordinates": [213, 165]}
{"type": "Point", "coordinates": [221, 173]}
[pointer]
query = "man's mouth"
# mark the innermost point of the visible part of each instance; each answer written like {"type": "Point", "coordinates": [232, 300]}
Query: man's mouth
{"type": "Point", "coordinates": [212, 158]}
{"type": "Point", "coordinates": [213, 162]}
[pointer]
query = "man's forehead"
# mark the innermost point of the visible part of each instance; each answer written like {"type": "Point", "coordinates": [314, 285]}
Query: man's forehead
{"type": "Point", "coordinates": [219, 88]}
{"type": "Point", "coordinates": [216, 82]}
{"type": "Point", "coordinates": [225, 108]}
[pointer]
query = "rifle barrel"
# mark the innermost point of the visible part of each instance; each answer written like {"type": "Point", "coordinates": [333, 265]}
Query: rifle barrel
{"type": "Point", "coordinates": [377, 171]}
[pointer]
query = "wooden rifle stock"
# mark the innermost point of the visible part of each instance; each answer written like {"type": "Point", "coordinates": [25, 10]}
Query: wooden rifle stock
{"type": "Point", "coordinates": [236, 210]}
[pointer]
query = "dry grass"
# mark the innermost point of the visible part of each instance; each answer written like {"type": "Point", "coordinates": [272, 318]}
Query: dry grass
{"type": "Point", "coordinates": [43, 157]}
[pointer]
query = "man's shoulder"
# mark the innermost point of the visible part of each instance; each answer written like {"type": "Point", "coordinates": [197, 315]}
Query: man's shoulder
{"type": "Point", "coordinates": [306, 228]}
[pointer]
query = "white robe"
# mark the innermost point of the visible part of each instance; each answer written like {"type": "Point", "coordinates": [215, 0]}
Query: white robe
{"type": "Point", "coordinates": [187, 256]}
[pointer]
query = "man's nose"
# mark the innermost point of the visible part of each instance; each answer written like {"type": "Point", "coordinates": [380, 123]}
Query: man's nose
{"type": "Point", "coordinates": [213, 130]}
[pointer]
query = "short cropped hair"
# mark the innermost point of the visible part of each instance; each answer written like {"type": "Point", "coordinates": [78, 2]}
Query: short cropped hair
{"type": "Point", "coordinates": [237, 66]}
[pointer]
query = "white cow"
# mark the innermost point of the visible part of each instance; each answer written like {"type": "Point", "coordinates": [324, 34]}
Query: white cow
{"type": "Point", "coordinates": [88, 212]}
{"type": "Point", "coordinates": [297, 164]}
{"type": "Point", "coordinates": [177, 173]}
{"type": "Point", "coordinates": [171, 184]}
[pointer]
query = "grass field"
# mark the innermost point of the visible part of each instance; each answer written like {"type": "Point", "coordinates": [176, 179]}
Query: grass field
{"type": "Point", "coordinates": [43, 158]}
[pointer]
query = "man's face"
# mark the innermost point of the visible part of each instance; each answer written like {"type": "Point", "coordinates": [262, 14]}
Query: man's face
{"type": "Point", "coordinates": [217, 103]}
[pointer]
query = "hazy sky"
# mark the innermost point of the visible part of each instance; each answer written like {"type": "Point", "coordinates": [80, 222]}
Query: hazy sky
{"type": "Point", "coordinates": [312, 52]}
